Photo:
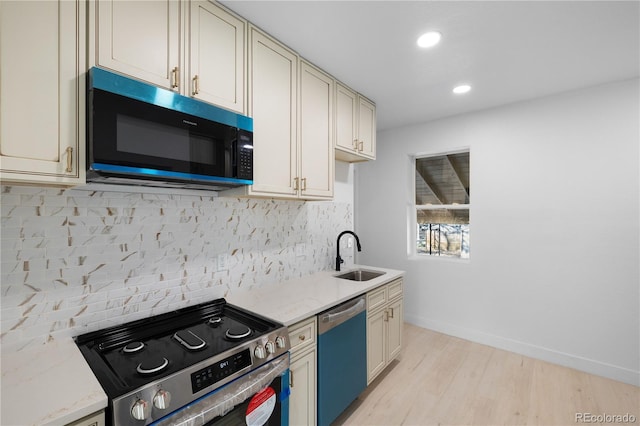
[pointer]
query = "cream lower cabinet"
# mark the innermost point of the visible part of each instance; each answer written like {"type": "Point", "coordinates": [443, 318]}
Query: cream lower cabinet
{"type": "Point", "coordinates": [96, 419]}
{"type": "Point", "coordinates": [302, 373]}
{"type": "Point", "coordinates": [384, 327]}
{"type": "Point", "coordinates": [212, 67]}
{"type": "Point", "coordinates": [355, 126]}
{"type": "Point", "coordinates": [42, 83]}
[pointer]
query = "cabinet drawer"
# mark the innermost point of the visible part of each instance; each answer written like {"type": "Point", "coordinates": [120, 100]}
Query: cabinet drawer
{"type": "Point", "coordinates": [394, 289]}
{"type": "Point", "coordinates": [96, 419]}
{"type": "Point", "coordinates": [302, 334]}
{"type": "Point", "coordinates": [376, 298]}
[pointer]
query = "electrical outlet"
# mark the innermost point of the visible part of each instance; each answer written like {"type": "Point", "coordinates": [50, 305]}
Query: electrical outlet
{"type": "Point", "coordinates": [349, 242]}
{"type": "Point", "coordinates": [223, 262]}
{"type": "Point", "coordinates": [300, 248]}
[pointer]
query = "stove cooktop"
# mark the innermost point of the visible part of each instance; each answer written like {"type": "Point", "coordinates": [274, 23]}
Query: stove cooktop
{"type": "Point", "coordinates": [128, 357]}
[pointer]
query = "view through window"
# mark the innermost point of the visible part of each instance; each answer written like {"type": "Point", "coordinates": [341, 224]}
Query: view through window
{"type": "Point", "coordinates": [442, 205]}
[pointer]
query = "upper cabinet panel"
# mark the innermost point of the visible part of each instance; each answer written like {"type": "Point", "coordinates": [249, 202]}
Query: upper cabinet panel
{"type": "Point", "coordinates": [355, 126]}
{"type": "Point", "coordinates": [366, 128]}
{"type": "Point", "coordinates": [273, 87]}
{"type": "Point", "coordinates": [42, 65]}
{"type": "Point", "coordinates": [195, 48]}
{"type": "Point", "coordinates": [217, 56]}
{"type": "Point", "coordinates": [316, 130]}
{"type": "Point", "coordinates": [140, 39]}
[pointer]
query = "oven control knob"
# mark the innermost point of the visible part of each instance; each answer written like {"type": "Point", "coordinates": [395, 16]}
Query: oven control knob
{"type": "Point", "coordinates": [270, 347]}
{"type": "Point", "coordinates": [280, 342]}
{"type": "Point", "coordinates": [259, 352]}
{"type": "Point", "coordinates": [141, 410]}
{"type": "Point", "coordinates": [162, 399]}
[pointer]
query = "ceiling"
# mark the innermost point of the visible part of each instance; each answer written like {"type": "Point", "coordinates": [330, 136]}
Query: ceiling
{"type": "Point", "coordinates": [508, 51]}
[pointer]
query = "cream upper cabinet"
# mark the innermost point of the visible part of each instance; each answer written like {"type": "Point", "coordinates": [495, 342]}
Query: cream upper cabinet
{"type": "Point", "coordinates": [366, 128]}
{"type": "Point", "coordinates": [315, 108]}
{"type": "Point", "coordinates": [196, 48]}
{"type": "Point", "coordinates": [138, 38]}
{"type": "Point", "coordinates": [346, 119]}
{"type": "Point", "coordinates": [216, 56]}
{"type": "Point", "coordinates": [42, 63]}
{"type": "Point", "coordinates": [291, 103]}
{"type": "Point", "coordinates": [273, 94]}
{"type": "Point", "coordinates": [355, 126]}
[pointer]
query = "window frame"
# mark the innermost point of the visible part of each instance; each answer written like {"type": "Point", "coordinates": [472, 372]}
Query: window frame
{"type": "Point", "coordinates": [412, 210]}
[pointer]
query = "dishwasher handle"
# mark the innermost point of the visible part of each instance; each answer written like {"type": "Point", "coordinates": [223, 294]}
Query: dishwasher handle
{"type": "Point", "coordinates": [340, 314]}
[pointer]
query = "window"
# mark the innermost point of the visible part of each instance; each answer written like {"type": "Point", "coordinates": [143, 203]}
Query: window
{"type": "Point", "coordinates": [442, 205]}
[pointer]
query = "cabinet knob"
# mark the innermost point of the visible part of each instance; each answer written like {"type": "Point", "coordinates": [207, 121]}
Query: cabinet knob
{"type": "Point", "coordinates": [302, 337]}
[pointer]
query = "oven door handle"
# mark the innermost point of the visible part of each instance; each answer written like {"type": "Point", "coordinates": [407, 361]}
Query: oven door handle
{"type": "Point", "coordinates": [221, 401]}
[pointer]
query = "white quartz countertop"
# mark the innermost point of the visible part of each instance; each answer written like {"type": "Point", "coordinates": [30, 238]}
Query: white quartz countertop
{"type": "Point", "coordinates": [300, 298]}
{"type": "Point", "coordinates": [48, 385]}
{"type": "Point", "coordinates": [53, 385]}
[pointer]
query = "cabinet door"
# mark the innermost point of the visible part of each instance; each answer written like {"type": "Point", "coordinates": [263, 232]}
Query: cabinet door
{"type": "Point", "coordinates": [273, 100]}
{"type": "Point", "coordinates": [376, 344]}
{"type": "Point", "coordinates": [366, 128]}
{"type": "Point", "coordinates": [41, 80]}
{"type": "Point", "coordinates": [140, 39]}
{"type": "Point", "coordinates": [346, 108]}
{"type": "Point", "coordinates": [394, 337]}
{"type": "Point", "coordinates": [316, 133]}
{"type": "Point", "coordinates": [216, 56]}
{"type": "Point", "coordinates": [302, 401]}
{"type": "Point", "coordinates": [96, 419]}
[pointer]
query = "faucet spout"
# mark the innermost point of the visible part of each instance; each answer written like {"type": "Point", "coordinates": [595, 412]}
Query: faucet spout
{"type": "Point", "coordinates": [338, 258]}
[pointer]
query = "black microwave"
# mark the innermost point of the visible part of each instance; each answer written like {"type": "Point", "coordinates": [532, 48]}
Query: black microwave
{"type": "Point", "coordinates": [139, 134]}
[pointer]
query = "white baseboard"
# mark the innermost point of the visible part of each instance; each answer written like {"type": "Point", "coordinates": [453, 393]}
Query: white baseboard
{"type": "Point", "coordinates": [572, 361]}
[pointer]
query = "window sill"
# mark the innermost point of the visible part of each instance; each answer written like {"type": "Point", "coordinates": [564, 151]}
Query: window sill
{"type": "Point", "coordinates": [431, 258]}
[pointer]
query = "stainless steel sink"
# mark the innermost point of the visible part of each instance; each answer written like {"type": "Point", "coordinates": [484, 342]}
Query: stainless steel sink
{"type": "Point", "coordinates": [360, 275]}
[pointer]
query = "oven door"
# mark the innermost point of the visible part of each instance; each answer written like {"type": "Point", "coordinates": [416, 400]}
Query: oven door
{"type": "Point", "coordinates": [260, 397]}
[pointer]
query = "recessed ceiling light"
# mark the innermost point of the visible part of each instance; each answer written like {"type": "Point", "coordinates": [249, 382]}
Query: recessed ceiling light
{"type": "Point", "coordinates": [429, 39]}
{"type": "Point", "coordinates": [463, 88]}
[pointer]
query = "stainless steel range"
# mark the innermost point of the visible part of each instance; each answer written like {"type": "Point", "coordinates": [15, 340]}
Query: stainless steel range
{"type": "Point", "coordinates": [212, 363]}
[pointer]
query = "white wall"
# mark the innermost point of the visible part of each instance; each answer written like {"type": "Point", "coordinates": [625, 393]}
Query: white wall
{"type": "Point", "coordinates": [560, 177]}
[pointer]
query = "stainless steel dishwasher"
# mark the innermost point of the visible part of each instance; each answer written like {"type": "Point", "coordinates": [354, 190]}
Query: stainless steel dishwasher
{"type": "Point", "coordinates": [342, 357]}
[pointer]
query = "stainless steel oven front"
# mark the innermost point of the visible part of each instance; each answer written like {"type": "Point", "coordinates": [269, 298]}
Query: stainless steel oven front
{"type": "Point", "coordinates": [258, 398]}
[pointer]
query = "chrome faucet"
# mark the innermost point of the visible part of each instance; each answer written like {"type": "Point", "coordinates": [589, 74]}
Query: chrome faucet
{"type": "Point", "coordinates": [338, 258]}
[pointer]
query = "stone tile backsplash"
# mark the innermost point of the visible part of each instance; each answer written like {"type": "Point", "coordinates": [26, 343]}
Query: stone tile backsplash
{"type": "Point", "coordinates": [75, 261]}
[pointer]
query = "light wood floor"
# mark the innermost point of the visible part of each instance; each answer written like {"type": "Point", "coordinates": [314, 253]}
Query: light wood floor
{"type": "Point", "coordinates": [444, 380]}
